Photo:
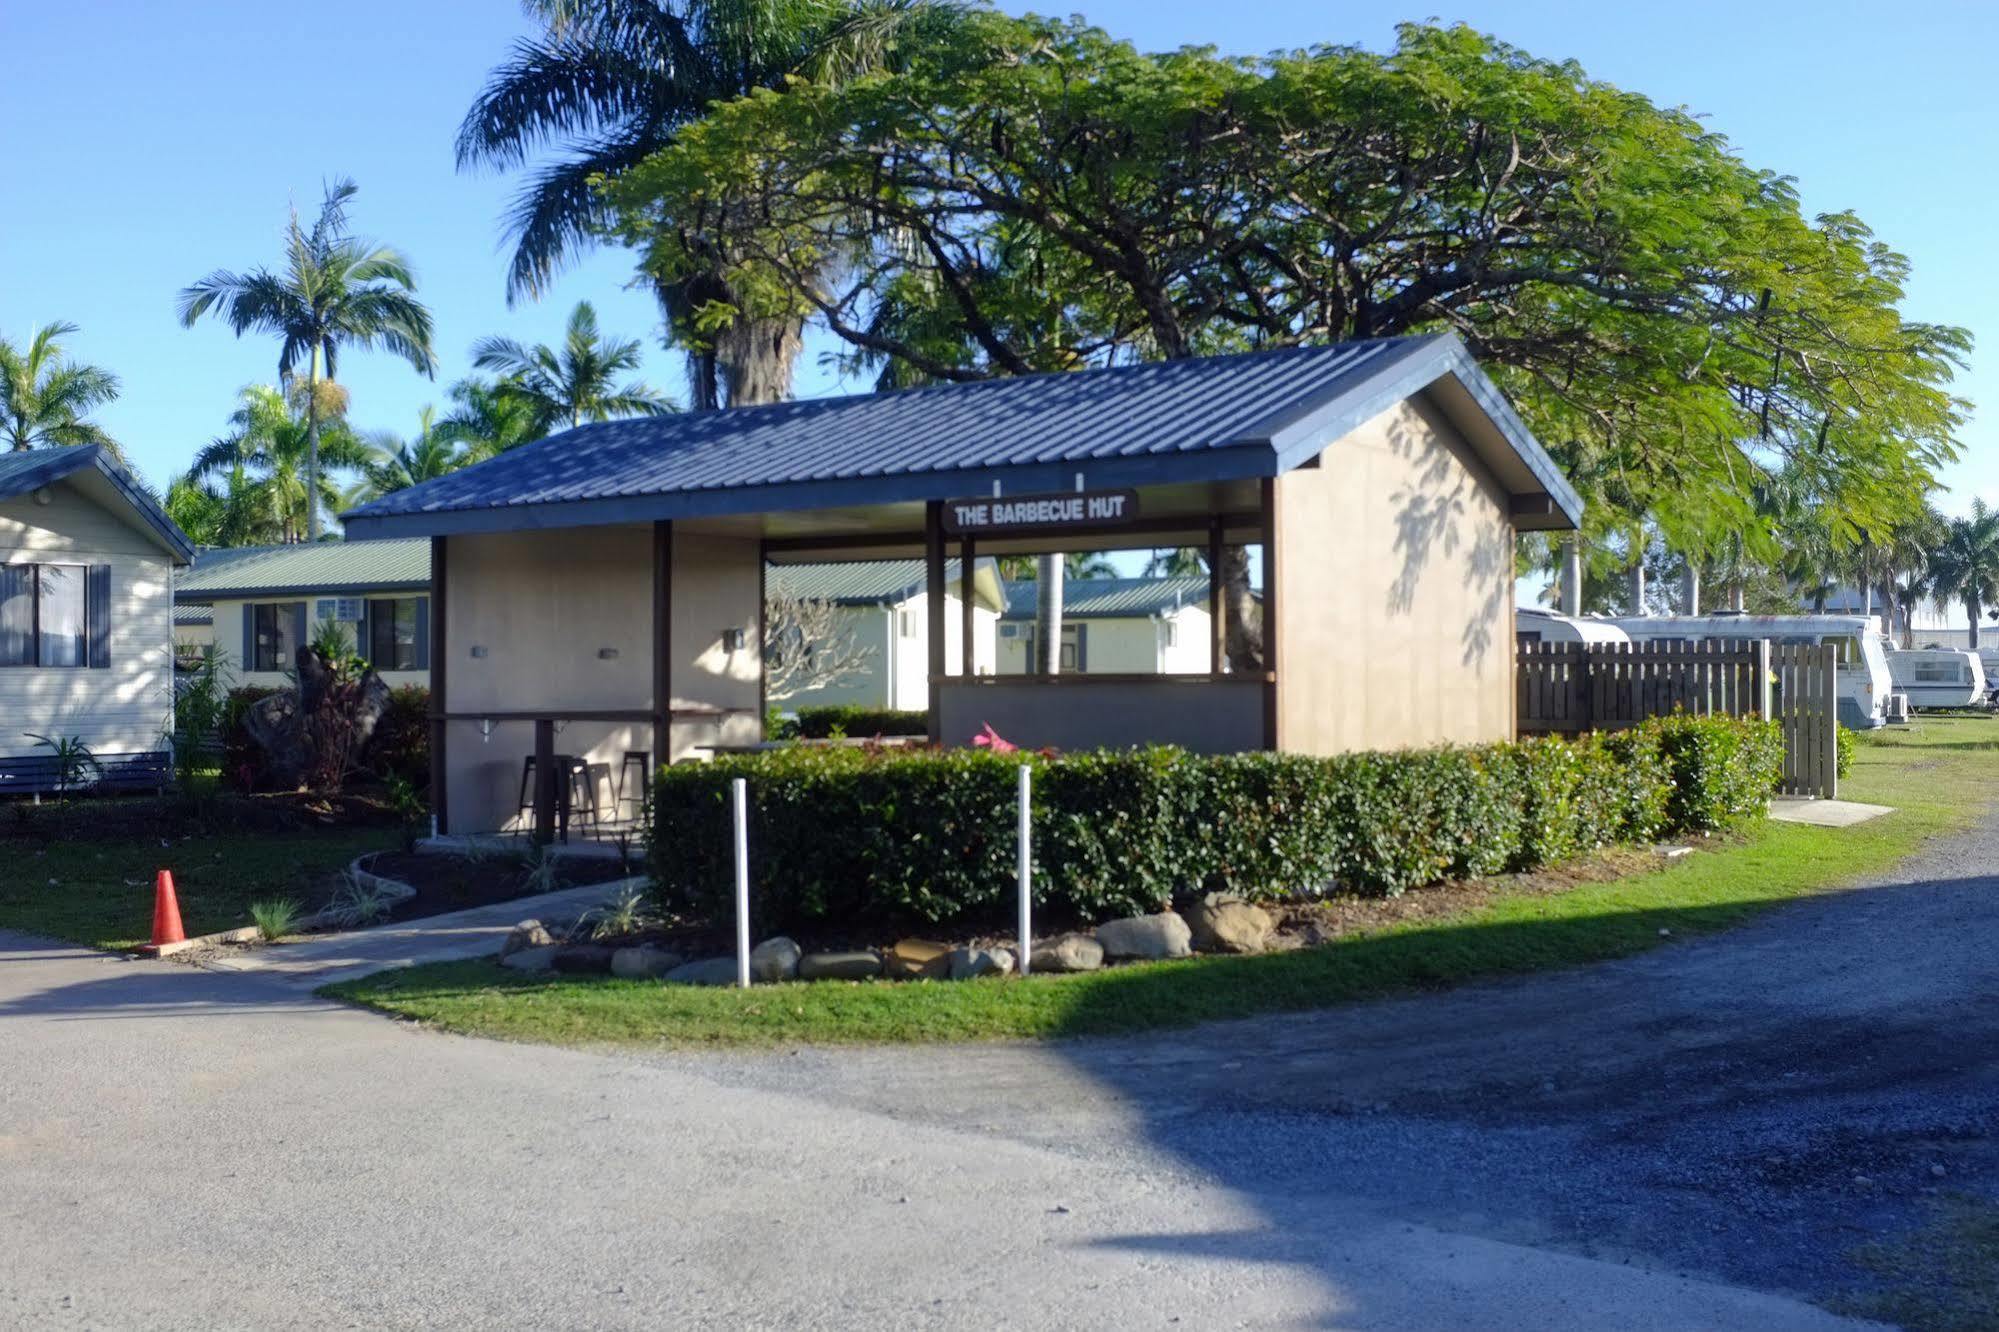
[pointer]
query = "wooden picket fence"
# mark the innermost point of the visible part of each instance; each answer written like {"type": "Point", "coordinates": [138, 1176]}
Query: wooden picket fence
{"type": "Point", "coordinates": [1574, 687]}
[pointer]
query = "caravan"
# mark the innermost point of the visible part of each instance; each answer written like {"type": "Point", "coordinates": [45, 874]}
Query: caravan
{"type": "Point", "coordinates": [1864, 679]}
{"type": "Point", "coordinates": [1938, 677]}
{"type": "Point", "coordinates": [1537, 624]}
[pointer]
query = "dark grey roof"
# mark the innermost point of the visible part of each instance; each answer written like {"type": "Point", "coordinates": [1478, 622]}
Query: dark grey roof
{"type": "Point", "coordinates": [1205, 419]}
{"type": "Point", "coordinates": [875, 582]}
{"type": "Point", "coordinates": [1112, 598]}
{"type": "Point", "coordinates": [28, 471]}
{"type": "Point", "coordinates": [192, 613]}
{"type": "Point", "coordinates": [306, 569]}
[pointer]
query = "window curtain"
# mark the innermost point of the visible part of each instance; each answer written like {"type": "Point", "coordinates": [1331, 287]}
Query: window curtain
{"type": "Point", "coordinates": [17, 614]}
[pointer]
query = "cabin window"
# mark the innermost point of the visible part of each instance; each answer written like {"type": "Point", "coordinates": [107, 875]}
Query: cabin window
{"type": "Point", "coordinates": [905, 624]}
{"type": "Point", "coordinates": [55, 615]}
{"type": "Point", "coordinates": [1939, 672]}
{"type": "Point", "coordinates": [396, 634]}
{"type": "Point", "coordinates": [1074, 657]}
{"type": "Point", "coordinates": [276, 628]}
{"type": "Point", "coordinates": [1172, 633]}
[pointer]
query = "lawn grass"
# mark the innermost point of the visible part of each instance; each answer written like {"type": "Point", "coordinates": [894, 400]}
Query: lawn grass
{"type": "Point", "coordinates": [1938, 777]}
{"type": "Point", "coordinates": [100, 893]}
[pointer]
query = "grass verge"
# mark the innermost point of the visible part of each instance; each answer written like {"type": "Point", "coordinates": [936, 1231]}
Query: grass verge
{"type": "Point", "coordinates": [1937, 777]}
{"type": "Point", "coordinates": [100, 893]}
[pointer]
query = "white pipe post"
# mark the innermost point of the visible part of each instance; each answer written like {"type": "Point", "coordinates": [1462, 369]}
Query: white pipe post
{"type": "Point", "coordinates": [1025, 867]}
{"type": "Point", "coordinates": [741, 791]}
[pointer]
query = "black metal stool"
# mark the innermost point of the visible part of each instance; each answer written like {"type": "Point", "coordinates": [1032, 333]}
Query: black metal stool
{"type": "Point", "coordinates": [642, 760]}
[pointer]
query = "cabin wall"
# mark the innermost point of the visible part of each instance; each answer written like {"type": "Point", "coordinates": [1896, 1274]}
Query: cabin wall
{"type": "Point", "coordinates": [227, 631]}
{"type": "Point", "coordinates": [128, 707]}
{"type": "Point", "coordinates": [1395, 587]}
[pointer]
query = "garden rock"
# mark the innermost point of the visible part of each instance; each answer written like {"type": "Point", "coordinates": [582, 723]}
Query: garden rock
{"type": "Point", "coordinates": [913, 959]}
{"type": "Point", "coordinates": [970, 963]}
{"type": "Point", "coordinates": [1150, 937]}
{"type": "Point", "coordinates": [527, 934]}
{"type": "Point", "coordinates": [583, 959]}
{"type": "Point", "coordinates": [707, 971]}
{"type": "Point", "coordinates": [644, 962]}
{"type": "Point", "coordinates": [1070, 952]}
{"type": "Point", "coordinates": [1226, 924]}
{"type": "Point", "coordinates": [530, 959]}
{"type": "Point", "coordinates": [862, 965]}
{"type": "Point", "coordinates": [774, 960]}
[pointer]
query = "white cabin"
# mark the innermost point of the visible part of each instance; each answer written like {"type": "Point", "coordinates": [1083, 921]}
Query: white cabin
{"type": "Point", "coordinates": [87, 564]}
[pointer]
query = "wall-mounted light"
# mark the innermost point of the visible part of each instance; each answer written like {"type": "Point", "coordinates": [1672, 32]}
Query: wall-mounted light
{"type": "Point", "coordinates": [478, 651]}
{"type": "Point", "coordinates": [44, 496]}
{"type": "Point", "coordinates": [732, 640]}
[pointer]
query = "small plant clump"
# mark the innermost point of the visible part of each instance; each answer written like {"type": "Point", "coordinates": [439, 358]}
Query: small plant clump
{"type": "Point", "coordinates": [624, 913]}
{"type": "Point", "coordinates": [275, 919]}
{"type": "Point", "coordinates": [541, 870]}
{"type": "Point", "coordinates": [358, 901]}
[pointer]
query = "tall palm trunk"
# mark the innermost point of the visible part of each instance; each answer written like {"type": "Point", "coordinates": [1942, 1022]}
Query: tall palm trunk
{"type": "Point", "coordinates": [1048, 573]}
{"type": "Point", "coordinates": [1972, 608]}
{"type": "Point", "coordinates": [312, 446]}
{"type": "Point", "coordinates": [756, 358]}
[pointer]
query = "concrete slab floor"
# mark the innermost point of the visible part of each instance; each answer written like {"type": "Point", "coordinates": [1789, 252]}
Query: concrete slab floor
{"type": "Point", "coordinates": [1824, 813]}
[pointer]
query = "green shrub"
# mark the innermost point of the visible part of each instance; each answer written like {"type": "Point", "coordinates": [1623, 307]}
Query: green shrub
{"type": "Point", "coordinates": [1842, 758]}
{"type": "Point", "coordinates": [848, 719]}
{"type": "Point", "coordinates": [866, 836]}
{"type": "Point", "coordinates": [400, 746]}
{"type": "Point", "coordinates": [241, 759]}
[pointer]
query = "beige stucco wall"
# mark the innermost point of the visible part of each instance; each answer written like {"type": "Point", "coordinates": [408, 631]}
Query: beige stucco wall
{"type": "Point", "coordinates": [1395, 581]}
{"type": "Point", "coordinates": [564, 619]}
{"type": "Point", "coordinates": [127, 708]}
{"type": "Point", "coordinates": [225, 631]}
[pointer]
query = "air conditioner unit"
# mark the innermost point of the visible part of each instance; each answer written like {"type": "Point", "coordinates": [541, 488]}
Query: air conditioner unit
{"type": "Point", "coordinates": [347, 609]}
{"type": "Point", "coordinates": [1896, 709]}
{"type": "Point", "coordinates": [1009, 631]}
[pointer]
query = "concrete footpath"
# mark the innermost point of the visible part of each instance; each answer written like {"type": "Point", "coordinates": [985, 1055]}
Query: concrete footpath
{"type": "Point", "coordinates": [185, 1149]}
{"type": "Point", "coordinates": [478, 932]}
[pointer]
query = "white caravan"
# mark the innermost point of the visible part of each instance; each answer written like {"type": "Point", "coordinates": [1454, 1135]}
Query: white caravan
{"type": "Point", "coordinates": [1938, 677]}
{"type": "Point", "coordinates": [1864, 680]}
{"type": "Point", "coordinates": [1538, 624]}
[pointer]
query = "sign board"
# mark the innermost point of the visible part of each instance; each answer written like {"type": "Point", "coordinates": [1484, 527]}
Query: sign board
{"type": "Point", "coordinates": [1040, 513]}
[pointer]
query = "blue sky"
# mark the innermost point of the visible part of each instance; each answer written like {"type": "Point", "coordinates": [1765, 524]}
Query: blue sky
{"type": "Point", "coordinates": [148, 144]}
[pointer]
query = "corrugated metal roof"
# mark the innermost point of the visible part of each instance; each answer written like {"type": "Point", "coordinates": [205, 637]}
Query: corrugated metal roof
{"type": "Point", "coordinates": [873, 582]}
{"type": "Point", "coordinates": [194, 614]}
{"type": "Point", "coordinates": [304, 568]}
{"type": "Point", "coordinates": [29, 470]}
{"type": "Point", "coordinates": [1112, 598]}
{"type": "Point", "coordinates": [1189, 420]}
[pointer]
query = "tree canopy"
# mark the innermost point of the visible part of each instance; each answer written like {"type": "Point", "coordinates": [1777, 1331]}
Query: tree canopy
{"type": "Point", "coordinates": [1031, 195]}
{"type": "Point", "coordinates": [46, 398]}
{"type": "Point", "coordinates": [576, 382]}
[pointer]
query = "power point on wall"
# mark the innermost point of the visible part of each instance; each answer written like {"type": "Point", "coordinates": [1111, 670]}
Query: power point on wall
{"type": "Point", "coordinates": [732, 640]}
{"type": "Point", "coordinates": [478, 649]}
{"type": "Point", "coordinates": [607, 654]}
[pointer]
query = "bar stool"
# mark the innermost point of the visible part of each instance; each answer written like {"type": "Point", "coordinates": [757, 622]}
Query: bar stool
{"type": "Point", "coordinates": [640, 759]}
{"type": "Point", "coordinates": [565, 789]}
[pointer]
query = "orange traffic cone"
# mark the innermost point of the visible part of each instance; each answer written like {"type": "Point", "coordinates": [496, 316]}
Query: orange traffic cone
{"type": "Point", "coordinates": [166, 913]}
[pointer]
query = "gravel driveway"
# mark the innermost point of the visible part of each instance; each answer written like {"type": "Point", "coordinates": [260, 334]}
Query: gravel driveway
{"type": "Point", "coordinates": [1696, 1138]}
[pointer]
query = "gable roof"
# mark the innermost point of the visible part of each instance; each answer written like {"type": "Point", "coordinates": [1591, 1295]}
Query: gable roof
{"type": "Point", "coordinates": [1112, 598]}
{"type": "Point", "coordinates": [307, 569]}
{"type": "Point", "coordinates": [1195, 420]}
{"type": "Point", "coordinates": [100, 475]}
{"type": "Point", "coordinates": [883, 582]}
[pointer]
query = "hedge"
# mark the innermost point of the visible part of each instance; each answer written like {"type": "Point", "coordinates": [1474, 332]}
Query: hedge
{"type": "Point", "coordinates": [850, 719]}
{"type": "Point", "coordinates": [866, 836]}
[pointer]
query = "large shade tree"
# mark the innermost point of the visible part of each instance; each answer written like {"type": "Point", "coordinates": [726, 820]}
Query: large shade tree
{"type": "Point", "coordinates": [334, 291]}
{"type": "Point", "coordinates": [46, 397]}
{"type": "Point", "coordinates": [607, 83]}
{"type": "Point", "coordinates": [1033, 195]}
{"type": "Point", "coordinates": [576, 382]}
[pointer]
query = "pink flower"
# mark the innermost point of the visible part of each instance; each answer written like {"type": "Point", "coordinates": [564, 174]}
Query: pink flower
{"type": "Point", "coordinates": [990, 739]}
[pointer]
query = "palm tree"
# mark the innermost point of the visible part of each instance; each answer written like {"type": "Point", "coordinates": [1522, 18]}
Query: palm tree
{"type": "Point", "coordinates": [1177, 562]}
{"type": "Point", "coordinates": [398, 464]}
{"type": "Point", "coordinates": [46, 398]}
{"type": "Point", "coordinates": [282, 459]}
{"type": "Point", "coordinates": [488, 418]}
{"type": "Point", "coordinates": [610, 82]}
{"type": "Point", "coordinates": [336, 291]}
{"type": "Point", "coordinates": [575, 383]}
{"type": "Point", "coordinates": [233, 514]}
{"type": "Point", "coordinates": [1966, 566]}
